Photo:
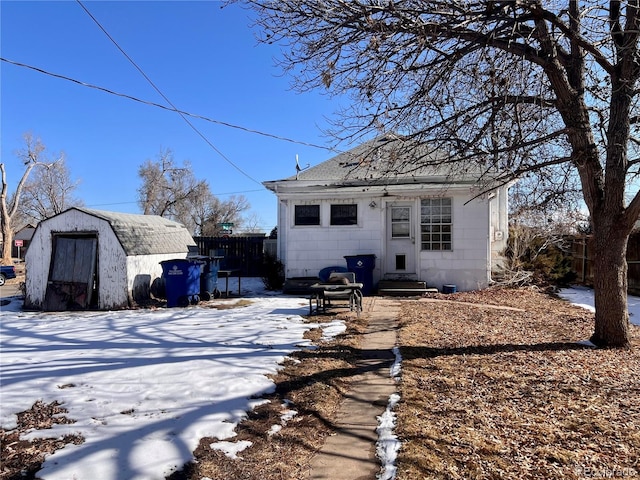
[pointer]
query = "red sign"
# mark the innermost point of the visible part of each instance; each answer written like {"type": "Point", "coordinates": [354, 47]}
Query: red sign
{"type": "Point", "coordinates": [19, 243]}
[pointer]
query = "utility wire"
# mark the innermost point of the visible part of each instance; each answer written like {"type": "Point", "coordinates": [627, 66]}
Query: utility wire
{"type": "Point", "coordinates": [184, 117]}
{"type": "Point", "coordinates": [164, 107]}
{"type": "Point", "coordinates": [165, 97]}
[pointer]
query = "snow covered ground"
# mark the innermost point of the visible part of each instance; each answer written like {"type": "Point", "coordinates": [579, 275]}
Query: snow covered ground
{"type": "Point", "coordinates": [144, 386]}
{"type": "Point", "coordinates": [583, 297]}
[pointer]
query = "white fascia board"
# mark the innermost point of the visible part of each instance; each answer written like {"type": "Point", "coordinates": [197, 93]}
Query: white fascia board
{"type": "Point", "coordinates": [327, 192]}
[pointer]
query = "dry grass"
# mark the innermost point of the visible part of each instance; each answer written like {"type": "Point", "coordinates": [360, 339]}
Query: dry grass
{"type": "Point", "coordinates": [497, 393]}
{"type": "Point", "coordinates": [494, 385]}
{"type": "Point", "coordinates": [312, 383]}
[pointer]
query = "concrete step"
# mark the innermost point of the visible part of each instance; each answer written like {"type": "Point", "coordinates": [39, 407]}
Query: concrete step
{"type": "Point", "coordinates": [404, 288]}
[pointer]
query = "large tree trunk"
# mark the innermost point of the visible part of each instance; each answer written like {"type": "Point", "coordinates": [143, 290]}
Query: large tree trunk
{"type": "Point", "coordinates": [5, 220]}
{"type": "Point", "coordinates": [610, 289]}
{"type": "Point", "coordinates": [7, 241]}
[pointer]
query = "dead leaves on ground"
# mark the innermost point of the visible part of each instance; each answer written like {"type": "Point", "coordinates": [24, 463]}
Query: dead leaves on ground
{"type": "Point", "coordinates": [491, 393]}
{"type": "Point", "coordinates": [487, 393]}
{"type": "Point", "coordinates": [21, 459]}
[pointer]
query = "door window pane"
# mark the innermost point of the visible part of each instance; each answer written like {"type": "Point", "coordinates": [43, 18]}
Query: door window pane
{"type": "Point", "coordinates": [400, 222]}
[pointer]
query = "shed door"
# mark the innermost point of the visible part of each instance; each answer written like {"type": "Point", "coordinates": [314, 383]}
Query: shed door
{"type": "Point", "coordinates": [72, 273]}
{"type": "Point", "coordinates": [401, 243]}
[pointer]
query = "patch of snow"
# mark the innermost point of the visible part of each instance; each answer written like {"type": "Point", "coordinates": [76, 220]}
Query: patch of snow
{"type": "Point", "coordinates": [396, 368]}
{"type": "Point", "coordinates": [231, 449]}
{"type": "Point", "coordinates": [388, 444]}
{"type": "Point", "coordinates": [583, 297]}
{"type": "Point", "coordinates": [332, 329]}
{"type": "Point", "coordinates": [144, 386]}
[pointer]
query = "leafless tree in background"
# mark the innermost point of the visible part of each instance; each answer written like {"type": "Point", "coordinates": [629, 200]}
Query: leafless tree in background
{"type": "Point", "coordinates": [48, 191]}
{"type": "Point", "coordinates": [10, 203]}
{"type": "Point", "coordinates": [546, 89]}
{"type": "Point", "coordinates": [174, 192]}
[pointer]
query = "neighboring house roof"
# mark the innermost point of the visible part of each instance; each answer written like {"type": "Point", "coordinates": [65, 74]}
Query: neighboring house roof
{"type": "Point", "coordinates": [384, 161]}
{"type": "Point", "coordinates": [25, 233]}
{"type": "Point", "coordinates": [145, 234]}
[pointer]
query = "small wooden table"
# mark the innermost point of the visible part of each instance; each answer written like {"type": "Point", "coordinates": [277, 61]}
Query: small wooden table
{"type": "Point", "coordinates": [322, 293]}
{"type": "Point", "coordinates": [230, 273]}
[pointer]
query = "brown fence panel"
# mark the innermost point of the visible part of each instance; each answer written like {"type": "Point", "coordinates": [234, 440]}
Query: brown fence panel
{"type": "Point", "coordinates": [580, 252]}
{"type": "Point", "coordinates": [245, 254]}
{"type": "Point", "coordinates": [583, 261]}
{"type": "Point", "coordinates": [633, 263]}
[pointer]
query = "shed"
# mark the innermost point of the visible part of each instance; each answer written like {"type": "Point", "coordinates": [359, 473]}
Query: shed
{"type": "Point", "coordinates": [84, 258]}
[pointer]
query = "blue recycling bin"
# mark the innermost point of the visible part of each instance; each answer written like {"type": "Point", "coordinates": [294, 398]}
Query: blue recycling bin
{"type": "Point", "coordinates": [362, 266]}
{"type": "Point", "coordinates": [182, 281]}
{"type": "Point", "coordinates": [209, 278]}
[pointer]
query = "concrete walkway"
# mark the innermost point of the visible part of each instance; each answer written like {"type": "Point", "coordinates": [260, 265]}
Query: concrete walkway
{"type": "Point", "coordinates": [350, 453]}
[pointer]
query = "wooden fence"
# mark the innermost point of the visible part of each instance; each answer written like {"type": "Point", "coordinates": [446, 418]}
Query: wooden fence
{"type": "Point", "coordinates": [583, 261]}
{"type": "Point", "coordinates": [245, 254]}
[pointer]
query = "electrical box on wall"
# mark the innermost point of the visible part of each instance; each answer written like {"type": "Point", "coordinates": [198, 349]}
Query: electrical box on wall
{"type": "Point", "coordinates": [498, 235]}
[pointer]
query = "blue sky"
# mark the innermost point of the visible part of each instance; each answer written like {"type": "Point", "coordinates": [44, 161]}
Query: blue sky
{"type": "Point", "coordinates": [204, 58]}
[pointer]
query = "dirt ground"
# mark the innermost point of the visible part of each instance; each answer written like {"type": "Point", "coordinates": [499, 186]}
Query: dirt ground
{"type": "Point", "coordinates": [494, 386]}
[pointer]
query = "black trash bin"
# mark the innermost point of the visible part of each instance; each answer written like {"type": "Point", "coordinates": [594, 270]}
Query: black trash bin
{"type": "Point", "coordinates": [362, 266]}
{"type": "Point", "coordinates": [209, 278]}
{"type": "Point", "coordinates": [182, 281]}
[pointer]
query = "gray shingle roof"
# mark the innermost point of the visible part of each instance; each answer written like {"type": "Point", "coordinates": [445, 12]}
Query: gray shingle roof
{"type": "Point", "coordinates": [383, 161]}
{"type": "Point", "coordinates": [145, 234]}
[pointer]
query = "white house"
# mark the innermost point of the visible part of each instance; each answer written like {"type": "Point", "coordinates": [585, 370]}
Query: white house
{"type": "Point", "coordinates": [84, 258]}
{"type": "Point", "coordinates": [421, 223]}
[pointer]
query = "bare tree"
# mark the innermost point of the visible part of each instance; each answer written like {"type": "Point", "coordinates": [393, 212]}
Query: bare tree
{"type": "Point", "coordinates": [9, 205]}
{"type": "Point", "coordinates": [228, 211]}
{"type": "Point", "coordinates": [48, 191]}
{"type": "Point", "coordinates": [251, 224]}
{"type": "Point", "coordinates": [174, 192]}
{"type": "Point", "coordinates": [168, 190]}
{"type": "Point", "coordinates": [517, 87]}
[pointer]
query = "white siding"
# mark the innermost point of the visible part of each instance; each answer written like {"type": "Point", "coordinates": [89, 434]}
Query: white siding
{"type": "Point", "coordinates": [309, 249]}
{"type": "Point", "coordinates": [305, 250]}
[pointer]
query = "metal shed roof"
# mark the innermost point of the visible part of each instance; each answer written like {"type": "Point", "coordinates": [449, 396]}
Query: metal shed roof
{"type": "Point", "coordinates": [145, 234]}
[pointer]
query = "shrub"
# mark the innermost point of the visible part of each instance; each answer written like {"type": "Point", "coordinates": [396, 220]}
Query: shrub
{"type": "Point", "coordinates": [273, 276]}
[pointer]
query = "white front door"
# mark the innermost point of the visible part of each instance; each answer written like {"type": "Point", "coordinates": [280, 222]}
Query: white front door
{"type": "Point", "coordinates": [401, 239]}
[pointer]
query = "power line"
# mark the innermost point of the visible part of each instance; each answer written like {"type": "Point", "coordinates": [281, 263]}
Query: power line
{"type": "Point", "coordinates": [164, 107]}
{"type": "Point", "coordinates": [182, 114]}
{"type": "Point", "coordinates": [130, 202]}
{"type": "Point", "coordinates": [193, 127]}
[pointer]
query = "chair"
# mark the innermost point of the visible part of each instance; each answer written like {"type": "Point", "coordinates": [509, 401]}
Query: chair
{"type": "Point", "coordinates": [354, 296]}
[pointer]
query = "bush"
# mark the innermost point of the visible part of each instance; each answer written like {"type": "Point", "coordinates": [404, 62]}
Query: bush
{"type": "Point", "coordinates": [543, 256]}
{"type": "Point", "coordinates": [273, 276]}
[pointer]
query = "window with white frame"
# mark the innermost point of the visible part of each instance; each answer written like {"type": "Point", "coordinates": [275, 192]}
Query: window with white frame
{"type": "Point", "coordinates": [436, 224]}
